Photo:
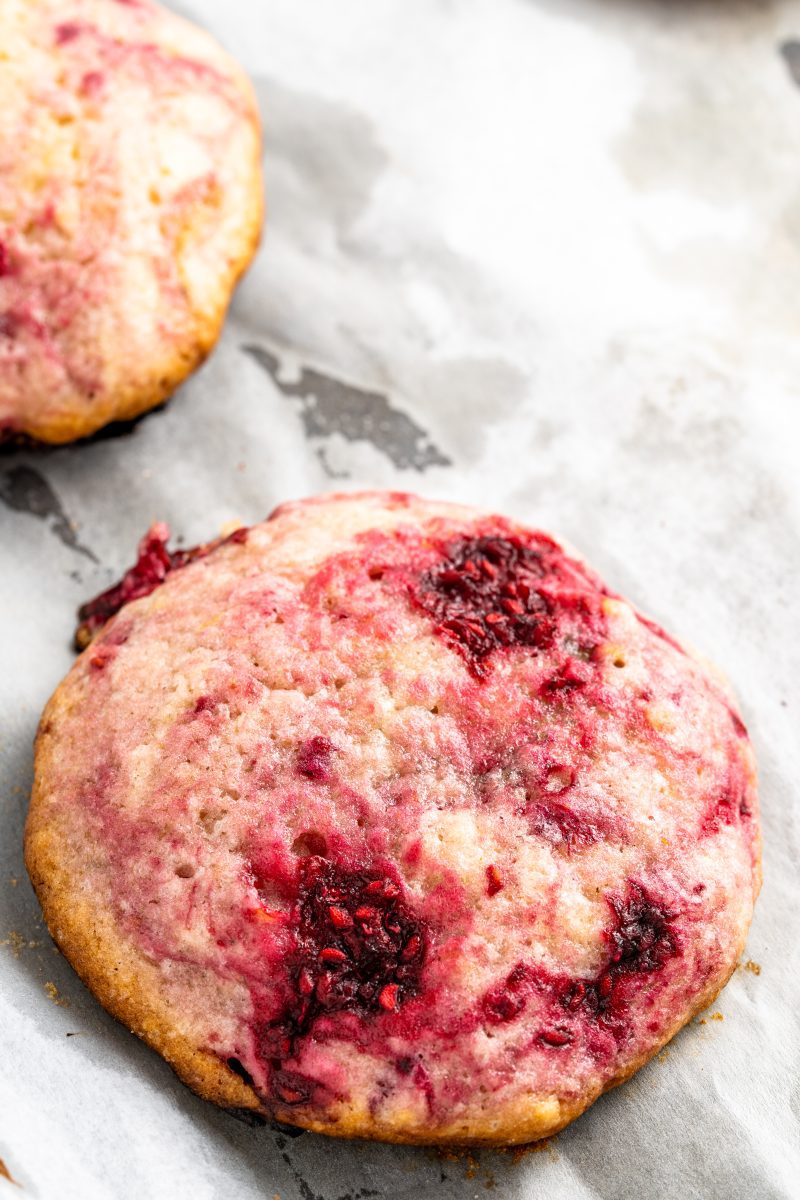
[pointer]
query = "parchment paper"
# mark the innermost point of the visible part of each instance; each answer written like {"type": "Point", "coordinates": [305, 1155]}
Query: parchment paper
{"type": "Point", "coordinates": [542, 256]}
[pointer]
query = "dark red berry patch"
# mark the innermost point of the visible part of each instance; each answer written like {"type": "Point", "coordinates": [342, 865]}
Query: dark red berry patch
{"type": "Point", "coordinates": [728, 805]}
{"type": "Point", "coordinates": [640, 941]}
{"type": "Point", "coordinates": [153, 563]}
{"type": "Point", "coordinates": [291, 1088]}
{"type": "Point", "coordinates": [492, 592]}
{"type": "Point", "coordinates": [642, 938]}
{"type": "Point", "coordinates": [561, 825]}
{"type": "Point", "coordinates": [359, 947]}
{"type": "Point", "coordinates": [314, 759]}
{"type": "Point", "coordinates": [484, 595]}
{"type": "Point", "coordinates": [67, 32]}
{"type": "Point", "coordinates": [494, 880]}
{"type": "Point", "coordinates": [558, 1037]}
{"type": "Point", "coordinates": [507, 1000]}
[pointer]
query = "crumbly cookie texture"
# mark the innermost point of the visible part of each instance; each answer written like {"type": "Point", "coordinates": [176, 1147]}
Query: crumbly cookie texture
{"type": "Point", "coordinates": [130, 203]}
{"type": "Point", "coordinates": [386, 818]}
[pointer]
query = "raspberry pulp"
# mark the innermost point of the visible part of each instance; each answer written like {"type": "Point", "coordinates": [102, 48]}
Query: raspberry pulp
{"type": "Point", "coordinates": [359, 947]}
{"type": "Point", "coordinates": [491, 592]}
{"type": "Point", "coordinates": [153, 563]}
{"type": "Point", "coordinates": [484, 595]}
{"type": "Point", "coordinates": [640, 941]}
{"type": "Point", "coordinates": [314, 759]}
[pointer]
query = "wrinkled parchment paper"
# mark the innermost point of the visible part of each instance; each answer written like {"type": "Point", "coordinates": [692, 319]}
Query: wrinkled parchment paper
{"type": "Point", "coordinates": [542, 256]}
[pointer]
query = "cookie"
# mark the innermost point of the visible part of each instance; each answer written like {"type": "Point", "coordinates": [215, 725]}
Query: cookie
{"type": "Point", "coordinates": [130, 203]}
{"type": "Point", "coordinates": [386, 818]}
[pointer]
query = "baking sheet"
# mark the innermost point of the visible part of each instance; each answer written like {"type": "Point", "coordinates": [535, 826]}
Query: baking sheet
{"type": "Point", "coordinates": [538, 256]}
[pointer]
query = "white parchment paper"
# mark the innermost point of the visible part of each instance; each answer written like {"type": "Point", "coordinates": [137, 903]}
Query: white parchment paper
{"type": "Point", "coordinates": [541, 255]}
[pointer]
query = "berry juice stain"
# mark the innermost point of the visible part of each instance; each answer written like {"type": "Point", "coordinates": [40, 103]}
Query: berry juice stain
{"type": "Point", "coordinates": [641, 940]}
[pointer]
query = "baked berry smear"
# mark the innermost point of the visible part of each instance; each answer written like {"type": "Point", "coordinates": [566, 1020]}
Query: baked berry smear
{"type": "Point", "coordinates": [403, 824]}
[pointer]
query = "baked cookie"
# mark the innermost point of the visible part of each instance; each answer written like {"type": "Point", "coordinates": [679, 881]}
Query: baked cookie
{"type": "Point", "coordinates": [130, 203]}
{"type": "Point", "coordinates": [386, 818]}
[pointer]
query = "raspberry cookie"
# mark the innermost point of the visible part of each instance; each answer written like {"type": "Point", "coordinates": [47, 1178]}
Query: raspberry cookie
{"type": "Point", "coordinates": [386, 818]}
{"type": "Point", "coordinates": [130, 203]}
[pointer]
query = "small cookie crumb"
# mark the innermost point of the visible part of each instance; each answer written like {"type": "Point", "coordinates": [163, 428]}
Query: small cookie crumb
{"type": "Point", "coordinates": [473, 1167]}
{"type": "Point", "coordinates": [55, 995]}
{"type": "Point", "coordinates": [18, 942]}
{"type": "Point", "coordinates": [545, 1146]}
